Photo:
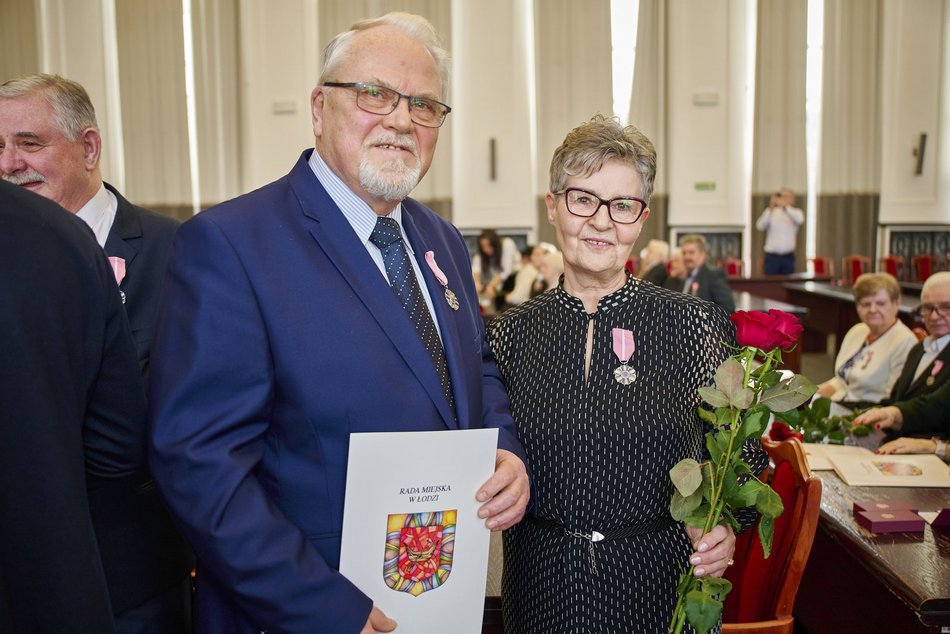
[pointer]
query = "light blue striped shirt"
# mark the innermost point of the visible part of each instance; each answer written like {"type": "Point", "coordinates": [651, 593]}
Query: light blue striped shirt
{"type": "Point", "coordinates": [363, 220]}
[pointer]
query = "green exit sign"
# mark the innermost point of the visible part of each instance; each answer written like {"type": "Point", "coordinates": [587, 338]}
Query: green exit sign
{"type": "Point", "coordinates": [705, 186]}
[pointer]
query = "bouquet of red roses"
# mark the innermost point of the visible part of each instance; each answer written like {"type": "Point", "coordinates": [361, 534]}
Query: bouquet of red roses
{"type": "Point", "coordinates": [748, 387]}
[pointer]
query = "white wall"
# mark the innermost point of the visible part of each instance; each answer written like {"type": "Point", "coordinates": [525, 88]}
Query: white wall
{"type": "Point", "coordinates": [280, 64]}
{"type": "Point", "coordinates": [491, 86]}
{"type": "Point", "coordinates": [708, 112]}
{"type": "Point", "coordinates": [915, 100]}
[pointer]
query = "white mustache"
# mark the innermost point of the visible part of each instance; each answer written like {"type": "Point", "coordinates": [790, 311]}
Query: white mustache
{"type": "Point", "coordinates": [21, 178]}
{"type": "Point", "coordinates": [403, 141]}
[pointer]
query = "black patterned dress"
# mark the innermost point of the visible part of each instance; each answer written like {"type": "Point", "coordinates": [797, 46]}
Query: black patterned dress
{"type": "Point", "coordinates": [600, 454]}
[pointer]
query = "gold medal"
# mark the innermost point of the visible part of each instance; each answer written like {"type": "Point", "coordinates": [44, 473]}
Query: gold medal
{"type": "Point", "coordinates": [451, 299]}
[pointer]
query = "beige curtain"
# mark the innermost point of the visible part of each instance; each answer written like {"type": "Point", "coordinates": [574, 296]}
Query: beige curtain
{"type": "Point", "coordinates": [779, 129]}
{"type": "Point", "coordinates": [154, 119]}
{"type": "Point", "coordinates": [18, 40]}
{"type": "Point", "coordinates": [648, 108]}
{"type": "Point", "coordinates": [851, 121]}
{"type": "Point", "coordinates": [217, 98]}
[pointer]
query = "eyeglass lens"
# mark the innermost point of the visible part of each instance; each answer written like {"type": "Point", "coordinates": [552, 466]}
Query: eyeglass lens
{"type": "Point", "coordinates": [621, 210]}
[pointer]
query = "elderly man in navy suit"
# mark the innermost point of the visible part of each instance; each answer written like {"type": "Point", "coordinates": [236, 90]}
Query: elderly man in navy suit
{"type": "Point", "coordinates": [50, 144]}
{"type": "Point", "coordinates": [325, 303]}
{"type": "Point", "coordinates": [702, 280]}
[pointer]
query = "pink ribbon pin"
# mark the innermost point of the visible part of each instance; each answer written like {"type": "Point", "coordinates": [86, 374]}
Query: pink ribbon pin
{"type": "Point", "coordinates": [439, 275]}
{"type": "Point", "coordinates": [623, 344]}
{"type": "Point", "coordinates": [118, 268]}
{"type": "Point", "coordinates": [938, 365]}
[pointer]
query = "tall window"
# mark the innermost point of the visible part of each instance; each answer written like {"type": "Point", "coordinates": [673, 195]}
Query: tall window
{"type": "Point", "coordinates": [623, 42]}
{"type": "Point", "coordinates": [815, 51]}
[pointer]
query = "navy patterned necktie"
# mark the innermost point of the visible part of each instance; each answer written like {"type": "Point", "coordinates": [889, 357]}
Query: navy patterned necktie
{"type": "Point", "coordinates": [402, 278]}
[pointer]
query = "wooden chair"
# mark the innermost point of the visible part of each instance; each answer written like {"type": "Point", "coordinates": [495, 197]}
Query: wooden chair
{"type": "Point", "coordinates": [852, 266]}
{"type": "Point", "coordinates": [923, 266]}
{"type": "Point", "coordinates": [822, 265]}
{"type": "Point", "coordinates": [893, 264]}
{"type": "Point", "coordinates": [764, 590]}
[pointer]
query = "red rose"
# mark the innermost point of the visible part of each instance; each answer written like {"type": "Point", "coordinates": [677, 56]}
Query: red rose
{"type": "Point", "coordinates": [766, 331]}
{"type": "Point", "coordinates": [789, 328]}
{"type": "Point", "coordinates": [780, 431]}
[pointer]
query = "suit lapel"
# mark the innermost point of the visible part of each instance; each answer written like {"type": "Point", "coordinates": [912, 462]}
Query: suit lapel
{"type": "Point", "coordinates": [334, 235]}
{"type": "Point", "coordinates": [125, 230]}
{"type": "Point", "coordinates": [917, 353]}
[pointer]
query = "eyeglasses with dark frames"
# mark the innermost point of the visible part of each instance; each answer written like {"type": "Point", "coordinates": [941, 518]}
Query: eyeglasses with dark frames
{"type": "Point", "coordinates": [377, 99]}
{"type": "Point", "coordinates": [580, 202]}
{"type": "Point", "coordinates": [943, 310]}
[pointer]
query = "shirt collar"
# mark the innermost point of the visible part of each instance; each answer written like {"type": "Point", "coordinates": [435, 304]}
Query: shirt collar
{"type": "Point", "coordinates": [360, 216]}
{"type": "Point", "coordinates": [99, 213]}
{"type": "Point", "coordinates": [936, 346]}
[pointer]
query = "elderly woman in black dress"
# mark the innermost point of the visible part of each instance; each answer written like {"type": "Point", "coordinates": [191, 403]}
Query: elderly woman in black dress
{"type": "Point", "coordinates": [603, 372]}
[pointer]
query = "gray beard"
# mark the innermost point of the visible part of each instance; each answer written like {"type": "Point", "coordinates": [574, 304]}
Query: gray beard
{"type": "Point", "coordinates": [393, 183]}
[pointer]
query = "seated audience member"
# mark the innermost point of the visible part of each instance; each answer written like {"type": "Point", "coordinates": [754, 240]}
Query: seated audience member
{"type": "Point", "coordinates": [537, 257]}
{"type": "Point", "coordinates": [928, 364]}
{"type": "Point", "coordinates": [72, 413]}
{"type": "Point", "coordinates": [496, 259]}
{"type": "Point", "coordinates": [873, 352]}
{"type": "Point", "coordinates": [552, 266]}
{"type": "Point", "coordinates": [522, 282]}
{"type": "Point", "coordinates": [702, 280]}
{"type": "Point", "coordinates": [675, 271]}
{"type": "Point", "coordinates": [924, 414]}
{"type": "Point", "coordinates": [653, 259]}
{"type": "Point", "coordinates": [50, 143]}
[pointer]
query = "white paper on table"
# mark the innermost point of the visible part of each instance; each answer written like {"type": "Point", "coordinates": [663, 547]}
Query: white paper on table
{"type": "Point", "coordinates": [819, 454]}
{"type": "Point", "coordinates": [891, 470]}
{"type": "Point", "coordinates": [395, 477]}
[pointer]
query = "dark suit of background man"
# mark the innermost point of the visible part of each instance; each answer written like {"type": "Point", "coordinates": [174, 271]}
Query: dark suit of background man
{"type": "Point", "coordinates": [71, 407]}
{"type": "Point", "coordinates": [50, 144]}
{"type": "Point", "coordinates": [702, 280]}
{"type": "Point", "coordinates": [928, 362]}
{"type": "Point", "coordinates": [279, 335]}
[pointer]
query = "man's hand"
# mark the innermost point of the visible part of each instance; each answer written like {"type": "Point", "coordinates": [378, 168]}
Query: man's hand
{"type": "Point", "coordinates": [506, 494]}
{"type": "Point", "coordinates": [378, 622]}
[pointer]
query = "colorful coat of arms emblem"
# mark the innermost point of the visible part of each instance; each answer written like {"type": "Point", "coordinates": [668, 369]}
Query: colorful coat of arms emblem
{"type": "Point", "coordinates": [419, 549]}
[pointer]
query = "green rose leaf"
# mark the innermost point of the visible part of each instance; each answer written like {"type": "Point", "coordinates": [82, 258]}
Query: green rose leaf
{"type": "Point", "coordinates": [861, 430]}
{"type": "Point", "coordinates": [743, 398]}
{"type": "Point", "coordinates": [788, 394]}
{"type": "Point", "coordinates": [766, 532]}
{"type": "Point", "coordinates": [715, 453]}
{"type": "Point", "coordinates": [753, 423]}
{"type": "Point", "coordinates": [820, 408]}
{"type": "Point", "coordinates": [681, 507]}
{"type": "Point", "coordinates": [718, 587]}
{"type": "Point", "coordinates": [706, 415]}
{"type": "Point", "coordinates": [698, 517]}
{"type": "Point", "coordinates": [702, 611]}
{"type": "Point", "coordinates": [687, 476]}
{"type": "Point", "coordinates": [729, 484]}
{"type": "Point", "coordinates": [713, 396]}
{"type": "Point", "coordinates": [768, 502]}
{"type": "Point", "coordinates": [747, 493]}
{"type": "Point", "coordinates": [730, 377]}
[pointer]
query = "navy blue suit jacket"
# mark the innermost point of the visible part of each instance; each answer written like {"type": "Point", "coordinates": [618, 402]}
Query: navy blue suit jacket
{"type": "Point", "coordinates": [278, 337]}
{"type": "Point", "coordinates": [72, 415]}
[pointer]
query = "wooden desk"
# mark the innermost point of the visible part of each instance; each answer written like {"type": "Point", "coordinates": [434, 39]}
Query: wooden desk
{"type": "Point", "coordinates": [831, 311]}
{"type": "Point", "coordinates": [746, 301]}
{"type": "Point", "coordinates": [773, 286]}
{"type": "Point", "coordinates": [856, 581]}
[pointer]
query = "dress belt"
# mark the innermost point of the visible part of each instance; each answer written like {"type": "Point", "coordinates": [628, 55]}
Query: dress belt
{"type": "Point", "coordinates": [632, 530]}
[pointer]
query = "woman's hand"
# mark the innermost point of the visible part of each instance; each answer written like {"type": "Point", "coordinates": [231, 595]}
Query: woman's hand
{"type": "Point", "coordinates": [880, 418]}
{"type": "Point", "coordinates": [908, 445]}
{"type": "Point", "coordinates": [713, 551]}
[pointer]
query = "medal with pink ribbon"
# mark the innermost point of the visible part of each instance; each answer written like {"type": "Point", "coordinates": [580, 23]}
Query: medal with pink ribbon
{"type": "Point", "coordinates": [450, 298]}
{"type": "Point", "coordinates": [937, 366]}
{"type": "Point", "coordinates": [118, 269]}
{"type": "Point", "coordinates": [623, 348]}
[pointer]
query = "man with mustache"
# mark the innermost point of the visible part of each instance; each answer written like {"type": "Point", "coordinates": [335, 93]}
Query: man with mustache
{"type": "Point", "coordinates": [322, 304]}
{"type": "Point", "coordinates": [50, 144]}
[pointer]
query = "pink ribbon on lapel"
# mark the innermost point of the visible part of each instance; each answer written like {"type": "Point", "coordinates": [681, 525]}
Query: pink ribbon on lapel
{"type": "Point", "coordinates": [938, 365]}
{"type": "Point", "coordinates": [118, 268]}
{"type": "Point", "coordinates": [439, 274]}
